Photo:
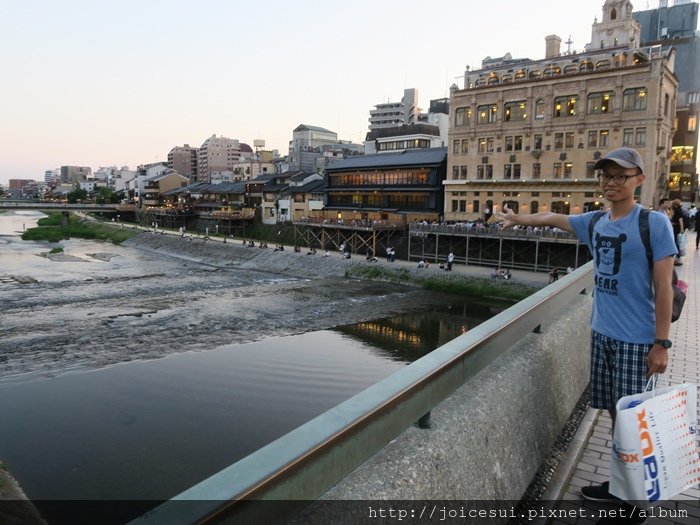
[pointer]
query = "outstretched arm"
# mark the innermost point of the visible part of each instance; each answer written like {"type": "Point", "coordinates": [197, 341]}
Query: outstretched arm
{"type": "Point", "coordinates": [555, 220]}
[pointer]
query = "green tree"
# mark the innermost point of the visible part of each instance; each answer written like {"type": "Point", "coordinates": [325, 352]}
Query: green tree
{"type": "Point", "coordinates": [76, 195]}
{"type": "Point", "coordinates": [103, 196]}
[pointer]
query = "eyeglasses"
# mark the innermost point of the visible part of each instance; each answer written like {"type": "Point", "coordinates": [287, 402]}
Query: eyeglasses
{"type": "Point", "coordinates": [618, 177]}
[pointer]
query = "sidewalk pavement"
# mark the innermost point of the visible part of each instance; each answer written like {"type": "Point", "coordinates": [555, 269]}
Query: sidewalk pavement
{"type": "Point", "coordinates": [586, 462]}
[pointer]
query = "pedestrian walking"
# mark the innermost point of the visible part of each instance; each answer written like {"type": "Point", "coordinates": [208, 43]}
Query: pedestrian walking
{"type": "Point", "coordinates": [632, 303]}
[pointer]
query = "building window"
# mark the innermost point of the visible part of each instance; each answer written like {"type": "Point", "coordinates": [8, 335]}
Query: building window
{"type": "Point", "coordinates": [462, 117]}
{"type": "Point", "coordinates": [486, 114]}
{"type": "Point", "coordinates": [536, 170]}
{"type": "Point", "coordinates": [600, 102]}
{"type": "Point", "coordinates": [509, 143]}
{"type": "Point", "coordinates": [486, 144]}
{"type": "Point", "coordinates": [475, 206]}
{"type": "Point", "coordinates": [590, 172]}
{"type": "Point", "coordinates": [692, 123]}
{"type": "Point", "coordinates": [634, 99]}
{"type": "Point", "coordinates": [507, 171]}
{"type": "Point", "coordinates": [455, 147]}
{"type": "Point", "coordinates": [482, 145]}
{"type": "Point", "coordinates": [513, 111]}
{"type": "Point", "coordinates": [518, 143]}
{"type": "Point", "coordinates": [557, 170]}
{"type": "Point", "coordinates": [480, 171]}
{"type": "Point", "coordinates": [455, 172]}
{"type": "Point", "coordinates": [516, 171]}
{"type": "Point", "coordinates": [463, 172]}
{"type": "Point", "coordinates": [565, 106]}
{"type": "Point", "coordinates": [667, 103]}
{"type": "Point", "coordinates": [640, 137]}
{"type": "Point", "coordinates": [538, 142]}
{"type": "Point", "coordinates": [569, 139]}
{"type": "Point", "coordinates": [592, 139]}
{"type": "Point", "coordinates": [484, 171]}
{"type": "Point", "coordinates": [534, 206]}
{"type": "Point", "coordinates": [627, 136]}
{"type": "Point", "coordinates": [603, 138]}
{"type": "Point", "coordinates": [539, 109]}
{"type": "Point", "coordinates": [568, 170]}
{"type": "Point", "coordinates": [489, 144]}
{"type": "Point", "coordinates": [465, 146]}
{"type": "Point", "coordinates": [558, 140]}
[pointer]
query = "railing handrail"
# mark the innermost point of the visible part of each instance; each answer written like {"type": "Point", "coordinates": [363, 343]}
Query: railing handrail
{"type": "Point", "coordinates": [309, 460]}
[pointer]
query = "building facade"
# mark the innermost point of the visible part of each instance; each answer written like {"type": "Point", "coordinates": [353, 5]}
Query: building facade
{"type": "Point", "coordinates": [394, 114]}
{"type": "Point", "coordinates": [676, 27]}
{"type": "Point", "coordinates": [217, 154]}
{"type": "Point", "coordinates": [400, 187]}
{"type": "Point", "coordinates": [183, 159]}
{"type": "Point", "coordinates": [74, 174]}
{"type": "Point", "coordinates": [526, 133]}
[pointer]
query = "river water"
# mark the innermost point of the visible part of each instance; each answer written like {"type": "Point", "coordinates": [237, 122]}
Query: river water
{"type": "Point", "coordinates": [124, 376]}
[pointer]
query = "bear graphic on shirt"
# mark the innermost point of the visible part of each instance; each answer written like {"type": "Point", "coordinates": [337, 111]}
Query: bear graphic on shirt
{"type": "Point", "coordinates": [608, 253]}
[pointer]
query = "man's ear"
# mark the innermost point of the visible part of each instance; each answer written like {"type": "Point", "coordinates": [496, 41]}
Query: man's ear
{"type": "Point", "coordinates": [640, 179]}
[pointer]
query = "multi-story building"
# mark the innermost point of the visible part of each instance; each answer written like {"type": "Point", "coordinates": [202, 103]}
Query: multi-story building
{"type": "Point", "coordinates": [162, 182]}
{"type": "Point", "coordinates": [217, 154]}
{"type": "Point", "coordinates": [399, 187]}
{"type": "Point", "coordinates": [428, 131]}
{"type": "Point", "coordinates": [312, 147]}
{"type": "Point", "coordinates": [75, 174]}
{"type": "Point", "coordinates": [393, 114]}
{"type": "Point", "coordinates": [676, 27]}
{"type": "Point", "coordinates": [527, 132]}
{"type": "Point", "coordinates": [183, 159]}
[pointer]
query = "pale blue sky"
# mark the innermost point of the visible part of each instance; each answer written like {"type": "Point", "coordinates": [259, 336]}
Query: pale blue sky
{"type": "Point", "coordinates": [96, 83]}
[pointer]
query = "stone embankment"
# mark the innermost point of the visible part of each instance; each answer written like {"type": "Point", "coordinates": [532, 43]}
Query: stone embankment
{"type": "Point", "coordinates": [233, 254]}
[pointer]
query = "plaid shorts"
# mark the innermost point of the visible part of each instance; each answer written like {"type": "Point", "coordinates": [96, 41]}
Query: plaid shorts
{"type": "Point", "coordinates": [618, 369]}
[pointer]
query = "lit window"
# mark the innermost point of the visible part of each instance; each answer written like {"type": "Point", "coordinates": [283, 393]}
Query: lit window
{"type": "Point", "coordinates": [600, 102]}
{"type": "Point", "coordinates": [565, 106]}
{"type": "Point", "coordinates": [634, 99]}
{"type": "Point", "coordinates": [514, 111]}
{"type": "Point", "coordinates": [486, 114]}
{"type": "Point", "coordinates": [692, 123]}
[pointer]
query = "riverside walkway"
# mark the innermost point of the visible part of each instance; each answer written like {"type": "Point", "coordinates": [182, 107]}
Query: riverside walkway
{"type": "Point", "coordinates": [587, 460]}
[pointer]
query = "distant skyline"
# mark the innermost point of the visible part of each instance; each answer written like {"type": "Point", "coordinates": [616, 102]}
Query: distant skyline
{"type": "Point", "coordinates": [121, 83]}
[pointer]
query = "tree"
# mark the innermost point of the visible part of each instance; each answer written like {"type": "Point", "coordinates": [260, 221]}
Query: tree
{"type": "Point", "coordinates": [103, 196]}
{"type": "Point", "coordinates": [76, 195]}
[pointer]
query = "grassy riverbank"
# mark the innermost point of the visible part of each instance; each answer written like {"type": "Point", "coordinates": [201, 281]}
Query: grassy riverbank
{"type": "Point", "coordinates": [51, 229]}
{"type": "Point", "coordinates": [447, 282]}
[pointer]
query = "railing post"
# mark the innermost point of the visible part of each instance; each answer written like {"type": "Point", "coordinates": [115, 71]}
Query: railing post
{"type": "Point", "coordinates": [424, 421]}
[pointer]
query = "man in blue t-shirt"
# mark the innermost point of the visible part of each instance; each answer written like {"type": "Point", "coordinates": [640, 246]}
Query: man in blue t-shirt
{"type": "Point", "coordinates": [632, 302]}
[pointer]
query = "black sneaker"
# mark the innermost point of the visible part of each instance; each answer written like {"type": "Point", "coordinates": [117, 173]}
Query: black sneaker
{"type": "Point", "coordinates": [599, 493]}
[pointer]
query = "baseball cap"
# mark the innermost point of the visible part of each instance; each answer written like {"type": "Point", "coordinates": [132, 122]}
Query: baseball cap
{"type": "Point", "coordinates": [625, 157]}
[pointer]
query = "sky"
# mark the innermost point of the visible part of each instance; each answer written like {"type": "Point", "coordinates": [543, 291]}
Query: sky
{"type": "Point", "coordinates": [120, 83]}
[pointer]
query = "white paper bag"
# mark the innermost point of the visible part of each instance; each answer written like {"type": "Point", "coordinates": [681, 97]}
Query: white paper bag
{"type": "Point", "coordinates": [655, 454]}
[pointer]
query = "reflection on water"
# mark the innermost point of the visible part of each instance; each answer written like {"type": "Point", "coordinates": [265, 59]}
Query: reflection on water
{"type": "Point", "coordinates": [409, 337]}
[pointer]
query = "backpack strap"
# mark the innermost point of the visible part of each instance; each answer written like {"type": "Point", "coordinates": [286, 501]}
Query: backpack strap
{"type": "Point", "coordinates": [594, 219]}
{"type": "Point", "coordinates": [646, 235]}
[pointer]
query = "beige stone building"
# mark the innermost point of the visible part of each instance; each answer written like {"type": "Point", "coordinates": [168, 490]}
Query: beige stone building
{"type": "Point", "coordinates": [527, 132]}
{"type": "Point", "coordinates": [183, 159]}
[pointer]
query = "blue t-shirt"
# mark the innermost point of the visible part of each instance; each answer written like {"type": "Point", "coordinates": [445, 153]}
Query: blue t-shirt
{"type": "Point", "coordinates": [623, 300]}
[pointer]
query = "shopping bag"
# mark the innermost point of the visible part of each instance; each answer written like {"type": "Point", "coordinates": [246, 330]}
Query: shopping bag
{"type": "Point", "coordinates": [682, 244]}
{"type": "Point", "coordinates": [655, 454]}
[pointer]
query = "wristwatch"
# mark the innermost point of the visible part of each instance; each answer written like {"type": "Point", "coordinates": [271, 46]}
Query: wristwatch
{"type": "Point", "coordinates": [666, 343]}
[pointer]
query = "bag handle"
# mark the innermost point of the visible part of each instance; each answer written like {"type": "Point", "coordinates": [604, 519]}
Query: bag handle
{"type": "Point", "coordinates": [651, 384]}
